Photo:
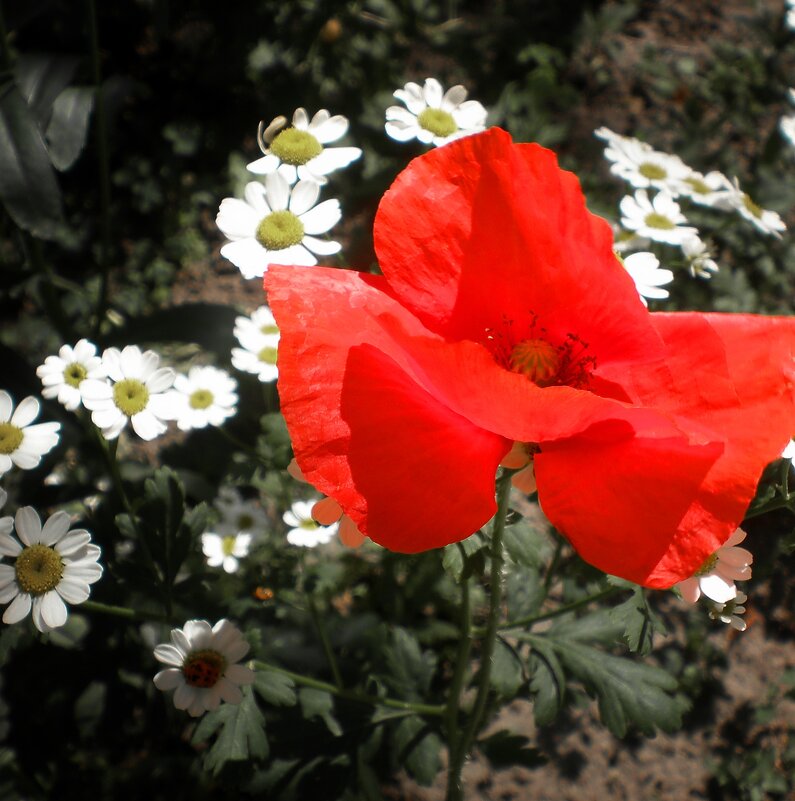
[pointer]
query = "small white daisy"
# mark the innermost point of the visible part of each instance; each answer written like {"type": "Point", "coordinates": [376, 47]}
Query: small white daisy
{"type": "Point", "coordinates": [205, 396]}
{"type": "Point", "coordinates": [203, 667]}
{"type": "Point", "coordinates": [305, 531]}
{"type": "Point", "coordinates": [729, 613]}
{"type": "Point", "coordinates": [258, 336]}
{"type": "Point", "coordinates": [716, 577]}
{"type": "Point", "coordinates": [767, 221]}
{"type": "Point", "coordinates": [647, 275]}
{"type": "Point", "coordinates": [660, 219]}
{"type": "Point", "coordinates": [277, 224]}
{"type": "Point", "coordinates": [713, 190]}
{"type": "Point", "coordinates": [22, 444]}
{"type": "Point", "coordinates": [239, 516]}
{"type": "Point", "coordinates": [62, 375]}
{"type": "Point", "coordinates": [702, 265]}
{"type": "Point", "coordinates": [434, 116]}
{"type": "Point", "coordinates": [641, 165]}
{"type": "Point", "coordinates": [298, 152]}
{"type": "Point", "coordinates": [52, 565]}
{"type": "Point", "coordinates": [136, 393]}
{"type": "Point", "coordinates": [225, 551]}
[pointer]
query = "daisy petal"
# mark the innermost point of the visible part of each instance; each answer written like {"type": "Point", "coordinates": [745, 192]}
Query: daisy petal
{"type": "Point", "coordinates": [18, 608]}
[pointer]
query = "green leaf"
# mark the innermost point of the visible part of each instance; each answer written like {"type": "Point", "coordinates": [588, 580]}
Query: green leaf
{"type": "Point", "coordinates": [319, 704]}
{"type": "Point", "coordinates": [408, 670]}
{"type": "Point", "coordinates": [240, 730]}
{"type": "Point", "coordinates": [506, 670]}
{"type": "Point", "coordinates": [418, 748]}
{"type": "Point", "coordinates": [504, 749]}
{"type": "Point", "coordinates": [28, 187]}
{"type": "Point", "coordinates": [638, 622]}
{"type": "Point", "coordinates": [524, 545]}
{"type": "Point", "coordinates": [524, 592]}
{"type": "Point", "coordinates": [68, 127]}
{"type": "Point", "coordinates": [275, 688]}
{"type": "Point", "coordinates": [548, 683]}
{"type": "Point", "coordinates": [465, 558]}
{"type": "Point", "coordinates": [41, 77]}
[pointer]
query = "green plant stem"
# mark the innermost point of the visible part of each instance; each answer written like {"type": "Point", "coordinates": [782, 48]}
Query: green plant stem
{"type": "Point", "coordinates": [122, 611]}
{"type": "Point", "coordinates": [455, 790]}
{"type": "Point", "coordinates": [457, 685]}
{"type": "Point", "coordinates": [103, 162]}
{"type": "Point", "coordinates": [351, 695]}
{"type": "Point", "coordinates": [109, 449]}
{"type": "Point", "coordinates": [323, 634]}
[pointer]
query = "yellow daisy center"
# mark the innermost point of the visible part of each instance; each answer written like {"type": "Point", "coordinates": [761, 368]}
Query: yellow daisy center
{"type": "Point", "coordinates": [131, 396]}
{"type": "Point", "coordinates": [10, 437]}
{"type": "Point", "coordinates": [228, 545]}
{"type": "Point", "coordinates": [708, 566]}
{"type": "Point", "coordinates": [267, 355]}
{"type": "Point", "coordinates": [438, 122]}
{"type": "Point", "coordinates": [201, 399]}
{"type": "Point", "coordinates": [279, 230]}
{"type": "Point", "coordinates": [655, 220]}
{"type": "Point", "coordinates": [654, 172]}
{"type": "Point", "coordinates": [752, 207]}
{"type": "Point", "coordinates": [295, 147]}
{"type": "Point", "coordinates": [38, 569]}
{"type": "Point", "coordinates": [74, 373]}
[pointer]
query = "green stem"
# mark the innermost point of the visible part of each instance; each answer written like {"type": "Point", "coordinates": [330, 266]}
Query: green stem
{"type": "Point", "coordinates": [122, 611]}
{"type": "Point", "coordinates": [109, 449]}
{"type": "Point", "coordinates": [327, 649]}
{"type": "Point", "coordinates": [455, 791]}
{"type": "Point", "coordinates": [456, 688]}
{"type": "Point", "coordinates": [103, 162]}
{"type": "Point", "coordinates": [352, 695]}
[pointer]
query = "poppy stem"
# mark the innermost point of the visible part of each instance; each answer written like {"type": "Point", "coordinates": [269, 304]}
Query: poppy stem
{"type": "Point", "coordinates": [455, 789]}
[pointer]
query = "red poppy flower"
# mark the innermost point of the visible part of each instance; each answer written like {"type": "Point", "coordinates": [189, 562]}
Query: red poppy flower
{"type": "Point", "coordinates": [503, 316]}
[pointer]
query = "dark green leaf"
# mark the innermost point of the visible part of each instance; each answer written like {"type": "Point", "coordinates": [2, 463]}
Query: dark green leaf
{"type": "Point", "coordinates": [505, 749]}
{"type": "Point", "coordinates": [275, 688]}
{"type": "Point", "coordinates": [68, 127]}
{"type": "Point", "coordinates": [524, 545]}
{"type": "Point", "coordinates": [418, 749]}
{"type": "Point", "coordinates": [524, 592]}
{"type": "Point", "coordinates": [28, 187]}
{"type": "Point", "coordinates": [638, 622]}
{"type": "Point", "coordinates": [408, 670]}
{"type": "Point", "coordinates": [506, 670]}
{"type": "Point", "coordinates": [548, 683]}
{"type": "Point", "coordinates": [319, 704]}
{"type": "Point", "coordinates": [465, 558]}
{"type": "Point", "coordinates": [240, 730]}
{"type": "Point", "coordinates": [41, 77]}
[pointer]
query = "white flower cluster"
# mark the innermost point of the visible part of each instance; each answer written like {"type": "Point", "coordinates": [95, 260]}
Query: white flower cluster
{"type": "Point", "coordinates": [653, 214]}
{"type": "Point", "coordinates": [279, 221]}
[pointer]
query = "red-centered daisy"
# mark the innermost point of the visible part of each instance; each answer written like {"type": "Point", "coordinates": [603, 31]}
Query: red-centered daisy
{"type": "Point", "coordinates": [503, 316]}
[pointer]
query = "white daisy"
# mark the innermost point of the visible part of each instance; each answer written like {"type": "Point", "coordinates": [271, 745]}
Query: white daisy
{"type": "Point", "coordinates": [277, 224]}
{"type": "Point", "coordinates": [716, 577]}
{"type": "Point", "coordinates": [52, 565]}
{"type": "Point", "coordinates": [713, 189]}
{"type": "Point", "coordinates": [259, 337]}
{"type": "Point", "coordinates": [62, 375]}
{"type": "Point", "coordinates": [767, 221]}
{"type": "Point", "coordinates": [305, 530]}
{"type": "Point", "coordinates": [628, 240]}
{"type": "Point", "coordinates": [136, 393]}
{"type": "Point", "coordinates": [205, 396]}
{"type": "Point", "coordinates": [647, 275]}
{"type": "Point", "coordinates": [22, 444]}
{"type": "Point", "coordinates": [225, 551]}
{"type": "Point", "coordinates": [641, 165]}
{"type": "Point", "coordinates": [239, 516]}
{"type": "Point", "coordinates": [203, 666]}
{"type": "Point", "coordinates": [787, 127]}
{"type": "Point", "coordinates": [298, 152]}
{"type": "Point", "coordinates": [702, 265]}
{"type": "Point", "coordinates": [432, 116]}
{"type": "Point", "coordinates": [730, 611]}
{"type": "Point", "coordinates": [660, 219]}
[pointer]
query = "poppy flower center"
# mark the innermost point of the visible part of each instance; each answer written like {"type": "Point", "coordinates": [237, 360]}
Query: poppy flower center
{"type": "Point", "coordinates": [654, 172]}
{"type": "Point", "coordinates": [708, 566]}
{"type": "Point", "coordinates": [295, 147]}
{"type": "Point", "coordinates": [279, 230]}
{"type": "Point", "coordinates": [655, 220]}
{"type": "Point", "coordinates": [131, 396]}
{"type": "Point", "coordinates": [201, 399]}
{"type": "Point", "coordinates": [10, 437]}
{"type": "Point", "coordinates": [755, 209]}
{"type": "Point", "coordinates": [267, 355]}
{"type": "Point", "coordinates": [536, 359]}
{"type": "Point", "coordinates": [38, 569]}
{"type": "Point", "coordinates": [74, 373]}
{"type": "Point", "coordinates": [203, 668]}
{"type": "Point", "coordinates": [438, 122]}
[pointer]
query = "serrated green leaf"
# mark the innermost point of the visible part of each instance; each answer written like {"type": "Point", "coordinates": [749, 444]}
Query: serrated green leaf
{"type": "Point", "coordinates": [408, 669]}
{"type": "Point", "coordinates": [548, 683]}
{"type": "Point", "coordinates": [67, 130]}
{"type": "Point", "coordinates": [240, 730]}
{"type": "Point", "coordinates": [319, 704]}
{"type": "Point", "coordinates": [638, 621]}
{"type": "Point", "coordinates": [28, 187]}
{"type": "Point", "coordinates": [418, 748]}
{"type": "Point", "coordinates": [506, 670]}
{"type": "Point", "coordinates": [504, 749]}
{"type": "Point", "coordinates": [524, 592]}
{"type": "Point", "coordinates": [275, 688]}
{"type": "Point", "coordinates": [465, 558]}
{"type": "Point", "coordinates": [523, 544]}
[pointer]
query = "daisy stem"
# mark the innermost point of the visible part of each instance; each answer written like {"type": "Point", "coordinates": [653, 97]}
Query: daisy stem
{"type": "Point", "coordinates": [122, 611]}
{"type": "Point", "coordinates": [435, 710]}
{"type": "Point", "coordinates": [455, 790]}
{"type": "Point", "coordinates": [115, 474]}
{"type": "Point", "coordinates": [242, 445]}
{"type": "Point", "coordinates": [323, 634]}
